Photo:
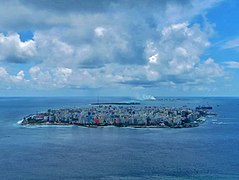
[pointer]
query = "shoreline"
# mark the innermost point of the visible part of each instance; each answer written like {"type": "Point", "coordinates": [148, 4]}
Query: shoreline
{"type": "Point", "coordinates": [188, 125]}
{"type": "Point", "coordinates": [131, 116]}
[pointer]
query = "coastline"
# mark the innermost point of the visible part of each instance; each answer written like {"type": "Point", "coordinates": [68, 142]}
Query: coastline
{"type": "Point", "coordinates": [113, 126]}
{"type": "Point", "coordinates": [120, 116]}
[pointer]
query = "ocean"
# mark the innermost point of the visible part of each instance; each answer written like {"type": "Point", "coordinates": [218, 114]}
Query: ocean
{"type": "Point", "coordinates": [210, 151]}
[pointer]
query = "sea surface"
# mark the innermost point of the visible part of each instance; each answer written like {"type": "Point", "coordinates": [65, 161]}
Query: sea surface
{"type": "Point", "coordinates": [210, 151]}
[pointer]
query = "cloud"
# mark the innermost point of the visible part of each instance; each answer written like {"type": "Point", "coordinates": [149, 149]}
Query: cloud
{"type": "Point", "coordinates": [13, 50]}
{"type": "Point", "coordinates": [9, 81]}
{"type": "Point", "coordinates": [3, 72]}
{"type": "Point", "coordinates": [169, 54]}
{"type": "Point", "coordinates": [109, 43]}
{"type": "Point", "coordinates": [53, 78]}
{"type": "Point", "coordinates": [232, 64]}
{"type": "Point", "coordinates": [231, 44]}
{"type": "Point", "coordinates": [44, 15]}
{"type": "Point", "coordinates": [178, 50]}
{"type": "Point", "coordinates": [209, 70]}
{"type": "Point", "coordinates": [71, 5]}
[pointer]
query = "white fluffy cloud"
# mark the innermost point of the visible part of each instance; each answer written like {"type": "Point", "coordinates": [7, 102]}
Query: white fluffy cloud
{"type": "Point", "coordinates": [12, 49]}
{"type": "Point", "coordinates": [110, 44]}
{"type": "Point", "coordinates": [9, 81]}
{"type": "Point", "coordinates": [53, 78]}
{"type": "Point", "coordinates": [178, 50]}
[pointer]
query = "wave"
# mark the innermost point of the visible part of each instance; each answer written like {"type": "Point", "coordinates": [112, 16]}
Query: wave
{"type": "Point", "coordinates": [222, 123]}
{"type": "Point", "coordinates": [48, 126]}
{"type": "Point", "coordinates": [19, 122]}
{"type": "Point", "coordinates": [146, 98]}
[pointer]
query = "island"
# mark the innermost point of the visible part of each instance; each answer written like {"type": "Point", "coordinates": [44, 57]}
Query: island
{"type": "Point", "coordinates": [136, 116]}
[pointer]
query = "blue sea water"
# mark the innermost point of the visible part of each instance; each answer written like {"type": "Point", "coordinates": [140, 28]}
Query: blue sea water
{"type": "Point", "coordinates": [210, 151]}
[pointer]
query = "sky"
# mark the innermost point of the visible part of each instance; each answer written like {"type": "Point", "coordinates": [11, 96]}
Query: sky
{"type": "Point", "coordinates": [119, 48]}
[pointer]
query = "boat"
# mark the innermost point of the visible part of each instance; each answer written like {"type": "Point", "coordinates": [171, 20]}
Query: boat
{"type": "Point", "coordinates": [203, 107]}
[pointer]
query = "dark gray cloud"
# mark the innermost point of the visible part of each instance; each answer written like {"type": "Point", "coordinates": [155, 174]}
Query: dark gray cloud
{"type": "Point", "coordinates": [99, 6]}
{"type": "Point", "coordinates": [179, 79]}
{"type": "Point", "coordinates": [141, 83]}
{"type": "Point", "coordinates": [92, 64]}
{"type": "Point", "coordinates": [64, 6]}
{"type": "Point", "coordinates": [17, 60]}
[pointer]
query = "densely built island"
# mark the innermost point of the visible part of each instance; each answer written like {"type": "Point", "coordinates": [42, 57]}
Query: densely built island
{"type": "Point", "coordinates": [121, 116]}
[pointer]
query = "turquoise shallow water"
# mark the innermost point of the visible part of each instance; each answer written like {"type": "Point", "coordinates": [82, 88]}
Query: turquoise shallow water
{"type": "Point", "coordinates": [210, 151]}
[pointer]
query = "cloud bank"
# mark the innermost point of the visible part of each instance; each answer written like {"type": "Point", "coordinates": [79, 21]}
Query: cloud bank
{"type": "Point", "coordinates": [102, 44]}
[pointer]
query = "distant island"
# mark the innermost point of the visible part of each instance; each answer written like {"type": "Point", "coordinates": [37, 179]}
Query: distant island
{"type": "Point", "coordinates": [116, 103]}
{"type": "Point", "coordinates": [127, 115]}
